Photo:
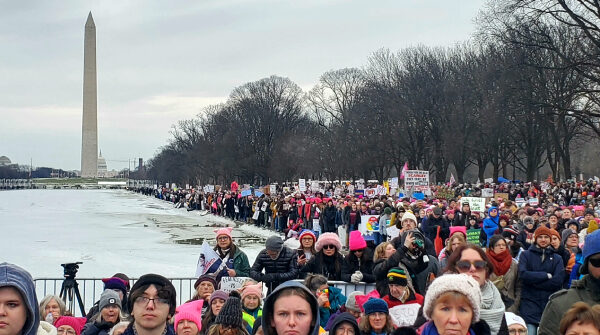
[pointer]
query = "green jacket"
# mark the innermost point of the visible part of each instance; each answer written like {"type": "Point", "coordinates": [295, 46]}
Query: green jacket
{"type": "Point", "coordinates": [241, 264]}
{"type": "Point", "coordinates": [587, 290]}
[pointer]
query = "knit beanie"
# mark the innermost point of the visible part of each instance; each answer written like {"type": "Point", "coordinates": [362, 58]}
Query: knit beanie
{"type": "Point", "coordinates": [592, 226]}
{"type": "Point", "coordinates": [553, 232]}
{"type": "Point", "coordinates": [115, 283]}
{"type": "Point", "coordinates": [218, 294]}
{"type": "Point", "coordinates": [223, 231]}
{"type": "Point", "coordinates": [460, 283]}
{"type": "Point", "coordinates": [357, 241]}
{"type": "Point", "coordinates": [158, 280]}
{"type": "Point", "coordinates": [374, 305]}
{"type": "Point", "coordinates": [231, 313]}
{"type": "Point", "coordinates": [566, 233]}
{"type": "Point", "coordinates": [590, 247]}
{"type": "Point", "coordinates": [409, 216]}
{"type": "Point", "coordinates": [387, 211]}
{"type": "Point", "coordinates": [124, 277]}
{"type": "Point", "coordinates": [191, 311]}
{"type": "Point", "coordinates": [512, 318]}
{"type": "Point", "coordinates": [397, 276]}
{"type": "Point", "coordinates": [108, 298]}
{"type": "Point", "coordinates": [307, 232]}
{"type": "Point", "coordinates": [351, 303]}
{"type": "Point", "coordinates": [510, 232]}
{"type": "Point", "coordinates": [573, 222]}
{"type": "Point", "coordinates": [542, 230]}
{"type": "Point", "coordinates": [76, 323]}
{"type": "Point", "coordinates": [326, 239]}
{"type": "Point", "coordinates": [252, 289]}
{"type": "Point", "coordinates": [274, 243]}
{"type": "Point", "coordinates": [208, 278]}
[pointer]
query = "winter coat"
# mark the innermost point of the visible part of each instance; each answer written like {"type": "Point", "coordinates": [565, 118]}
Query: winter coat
{"type": "Point", "coordinates": [328, 220]}
{"type": "Point", "coordinates": [461, 219]}
{"type": "Point", "coordinates": [323, 265]}
{"type": "Point", "coordinates": [352, 264]}
{"type": "Point", "coordinates": [534, 266]}
{"type": "Point", "coordinates": [429, 228]}
{"type": "Point", "coordinates": [381, 267]}
{"type": "Point", "coordinates": [587, 290]}
{"type": "Point", "coordinates": [270, 302]}
{"type": "Point", "coordinates": [129, 330]}
{"type": "Point", "coordinates": [19, 279]}
{"type": "Point", "coordinates": [509, 287]}
{"type": "Point", "coordinates": [278, 270]}
{"type": "Point", "coordinates": [239, 263]}
{"type": "Point", "coordinates": [352, 219]}
{"type": "Point", "coordinates": [96, 328]}
{"type": "Point", "coordinates": [419, 267]}
{"type": "Point", "coordinates": [490, 225]}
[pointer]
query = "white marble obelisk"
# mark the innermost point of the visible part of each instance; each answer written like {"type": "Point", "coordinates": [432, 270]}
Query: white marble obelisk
{"type": "Point", "coordinates": [89, 137]}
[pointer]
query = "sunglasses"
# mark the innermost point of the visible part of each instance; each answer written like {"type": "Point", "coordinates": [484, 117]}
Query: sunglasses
{"type": "Point", "coordinates": [329, 246]}
{"type": "Point", "coordinates": [466, 265]}
{"type": "Point", "coordinates": [595, 262]}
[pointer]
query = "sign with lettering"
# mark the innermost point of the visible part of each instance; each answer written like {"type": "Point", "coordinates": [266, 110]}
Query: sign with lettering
{"type": "Point", "coordinates": [416, 180]}
{"type": "Point", "coordinates": [476, 204]}
{"type": "Point", "coordinates": [487, 193]}
{"type": "Point", "coordinates": [302, 185]}
{"type": "Point", "coordinates": [369, 223]}
{"type": "Point", "coordinates": [229, 284]}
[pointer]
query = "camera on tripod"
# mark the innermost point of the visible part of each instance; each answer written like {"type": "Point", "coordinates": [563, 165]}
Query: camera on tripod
{"type": "Point", "coordinates": [70, 269]}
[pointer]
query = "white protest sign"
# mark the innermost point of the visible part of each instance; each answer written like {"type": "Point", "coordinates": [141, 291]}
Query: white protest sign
{"type": "Point", "coordinates": [229, 284]}
{"type": "Point", "coordinates": [487, 193]}
{"type": "Point", "coordinates": [519, 201]}
{"type": "Point", "coordinates": [371, 192]}
{"type": "Point", "coordinates": [302, 185]}
{"type": "Point", "coordinates": [369, 223]}
{"type": "Point", "coordinates": [534, 201]}
{"type": "Point", "coordinates": [394, 182]}
{"type": "Point", "coordinates": [381, 190]}
{"type": "Point", "coordinates": [314, 184]}
{"type": "Point", "coordinates": [273, 189]}
{"type": "Point", "coordinates": [167, 185]}
{"type": "Point", "coordinates": [476, 204]}
{"type": "Point", "coordinates": [488, 180]}
{"type": "Point", "coordinates": [393, 231]}
{"type": "Point", "coordinates": [416, 180]}
{"type": "Point", "coordinates": [404, 315]}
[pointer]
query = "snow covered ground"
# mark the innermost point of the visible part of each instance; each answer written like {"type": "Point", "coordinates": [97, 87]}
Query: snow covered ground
{"type": "Point", "coordinates": [110, 231]}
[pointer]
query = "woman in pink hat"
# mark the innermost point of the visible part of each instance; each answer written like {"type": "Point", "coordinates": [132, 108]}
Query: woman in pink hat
{"type": "Point", "coordinates": [236, 261]}
{"type": "Point", "coordinates": [328, 260]}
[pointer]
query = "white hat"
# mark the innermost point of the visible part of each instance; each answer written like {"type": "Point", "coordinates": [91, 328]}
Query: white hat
{"type": "Point", "coordinates": [408, 215]}
{"type": "Point", "coordinates": [512, 318]}
{"type": "Point", "coordinates": [460, 283]}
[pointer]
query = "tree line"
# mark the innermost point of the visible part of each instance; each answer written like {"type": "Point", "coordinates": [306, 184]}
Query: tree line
{"type": "Point", "coordinates": [521, 94]}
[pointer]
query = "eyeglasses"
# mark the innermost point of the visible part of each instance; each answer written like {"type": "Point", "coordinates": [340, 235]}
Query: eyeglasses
{"type": "Point", "coordinates": [595, 262]}
{"type": "Point", "coordinates": [329, 246]}
{"type": "Point", "coordinates": [157, 301]}
{"type": "Point", "coordinates": [466, 265]}
{"type": "Point", "coordinates": [223, 238]}
{"type": "Point", "coordinates": [62, 331]}
{"type": "Point", "coordinates": [359, 250]}
{"type": "Point", "coordinates": [517, 331]}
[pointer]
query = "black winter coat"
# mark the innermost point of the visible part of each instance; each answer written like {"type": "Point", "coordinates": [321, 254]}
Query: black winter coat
{"type": "Point", "coordinates": [351, 265]}
{"type": "Point", "coordinates": [328, 219]}
{"type": "Point", "coordinates": [277, 271]}
{"type": "Point", "coordinates": [319, 264]}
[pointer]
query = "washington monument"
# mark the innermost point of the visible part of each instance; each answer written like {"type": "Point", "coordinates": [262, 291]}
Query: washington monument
{"type": "Point", "coordinates": [89, 136]}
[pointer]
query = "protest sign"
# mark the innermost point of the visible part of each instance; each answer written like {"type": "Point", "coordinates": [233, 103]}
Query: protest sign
{"type": "Point", "coordinates": [208, 261]}
{"type": "Point", "coordinates": [187, 186]}
{"type": "Point", "coordinates": [473, 236]}
{"type": "Point", "coordinates": [273, 189]}
{"type": "Point", "coordinates": [519, 201]}
{"type": "Point", "coordinates": [404, 315]}
{"type": "Point", "coordinates": [369, 223]}
{"type": "Point", "coordinates": [394, 182]}
{"type": "Point", "coordinates": [416, 181]}
{"type": "Point", "coordinates": [229, 284]}
{"type": "Point", "coordinates": [371, 192]}
{"type": "Point", "coordinates": [476, 204]}
{"type": "Point", "coordinates": [488, 180]}
{"type": "Point", "coordinates": [359, 192]}
{"type": "Point", "coordinates": [302, 185]}
{"type": "Point", "coordinates": [382, 189]}
{"type": "Point", "coordinates": [487, 193]}
{"type": "Point", "coordinates": [258, 193]}
{"type": "Point", "coordinates": [167, 185]}
{"type": "Point", "coordinates": [246, 193]}
{"type": "Point", "coordinates": [534, 201]}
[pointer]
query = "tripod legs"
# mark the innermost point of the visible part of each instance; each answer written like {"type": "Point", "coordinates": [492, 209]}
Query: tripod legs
{"type": "Point", "coordinates": [66, 294]}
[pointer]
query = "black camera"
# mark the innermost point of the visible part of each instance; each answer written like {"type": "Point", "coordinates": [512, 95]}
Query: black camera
{"type": "Point", "coordinates": [70, 269]}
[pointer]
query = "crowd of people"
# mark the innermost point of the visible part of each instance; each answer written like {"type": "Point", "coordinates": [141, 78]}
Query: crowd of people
{"type": "Point", "coordinates": [437, 268]}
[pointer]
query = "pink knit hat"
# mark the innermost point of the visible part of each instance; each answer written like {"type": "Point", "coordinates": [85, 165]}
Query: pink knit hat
{"type": "Point", "coordinates": [224, 231]}
{"type": "Point", "coordinates": [191, 311]}
{"type": "Point", "coordinates": [357, 241]}
{"type": "Point", "coordinates": [326, 239]}
{"type": "Point", "coordinates": [76, 323]}
{"type": "Point", "coordinates": [252, 289]}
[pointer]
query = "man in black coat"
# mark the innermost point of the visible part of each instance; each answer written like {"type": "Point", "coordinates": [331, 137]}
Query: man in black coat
{"type": "Point", "coordinates": [279, 263]}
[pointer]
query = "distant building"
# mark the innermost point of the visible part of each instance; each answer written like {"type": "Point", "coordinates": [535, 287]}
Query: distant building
{"type": "Point", "coordinates": [4, 161]}
{"type": "Point", "coordinates": [102, 169]}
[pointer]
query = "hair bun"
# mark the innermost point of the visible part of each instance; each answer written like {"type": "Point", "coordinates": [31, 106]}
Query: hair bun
{"type": "Point", "coordinates": [235, 293]}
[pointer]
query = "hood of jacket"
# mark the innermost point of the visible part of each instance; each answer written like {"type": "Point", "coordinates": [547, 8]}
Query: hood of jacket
{"type": "Point", "coordinates": [343, 317]}
{"type": "Point", "coordinates": [270, 301]}
{"type": "Point", "coordinates": [14, 276]}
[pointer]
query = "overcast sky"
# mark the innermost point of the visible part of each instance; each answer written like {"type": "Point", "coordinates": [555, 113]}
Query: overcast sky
{"type": "Point", "coordinates": [161, 61]}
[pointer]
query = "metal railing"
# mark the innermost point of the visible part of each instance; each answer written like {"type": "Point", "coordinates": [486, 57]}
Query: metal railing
{"type": "Point", "coordinates": [91, 289]}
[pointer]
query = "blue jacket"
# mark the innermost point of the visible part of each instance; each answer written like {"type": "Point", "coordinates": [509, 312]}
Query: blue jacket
{"type": "Point", "coordinates": [490, 224]}
{"type": "Point", "coordinates": [534, 266]}
{"type": "Point", "coordinates": [18, 278]}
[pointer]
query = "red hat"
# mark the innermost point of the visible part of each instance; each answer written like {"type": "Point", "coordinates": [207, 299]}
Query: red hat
{"type": "Point", "coordinates": [307, 232]}
{"type": "Point", "coordinates": [75, 323]}
{"type": "Point", "coordinates": [542, 230]}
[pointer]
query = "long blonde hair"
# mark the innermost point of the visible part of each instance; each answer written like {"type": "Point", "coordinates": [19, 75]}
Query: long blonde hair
{"type": "Point", "coordinates": [380, 251]}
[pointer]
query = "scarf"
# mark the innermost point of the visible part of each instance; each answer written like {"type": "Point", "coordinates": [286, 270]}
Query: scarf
{"type": "Point", "coordinates": [492, 307]}
{"type": "Point", "coordinates": [501, 261]}
{"type": "Point", "coordinates": [429, 329]}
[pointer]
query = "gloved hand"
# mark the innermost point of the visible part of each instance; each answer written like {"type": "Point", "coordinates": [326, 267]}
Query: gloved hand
{"type": "Point", "coordinates": [104, 325]}
{"type": "Point", "coordinates": [549, 276]}
{"type": "Point", "coordinates": [356, 277]}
